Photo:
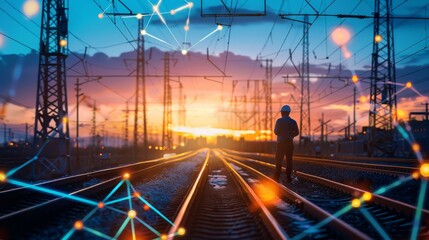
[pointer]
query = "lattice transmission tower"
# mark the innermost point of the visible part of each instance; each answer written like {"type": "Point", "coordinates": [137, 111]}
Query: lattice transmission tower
{"type": "Point", "coordinates": [304, 125]}
{"type": "Point", "coordinates": [51, 128]}
{"type": "Point", "coordinates": [382, 113]}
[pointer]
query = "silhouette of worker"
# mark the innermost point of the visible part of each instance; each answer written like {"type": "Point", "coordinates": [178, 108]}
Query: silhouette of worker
{"type": "Point", "coordinates": [286, 129]}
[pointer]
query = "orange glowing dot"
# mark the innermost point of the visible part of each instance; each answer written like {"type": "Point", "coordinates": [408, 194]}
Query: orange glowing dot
{"type": "Point", "coordinates": [31, 8]}
{"type": "Point", "coordinates": [415, 147]}
{"type": "Point", "coordinates": [415, 175]}
{"type": "Point", "coordinates": [186, 27]}
{"type": "Point", "coordinates": [126, 176]}
{"type": "Point", "coordinates": [363, 99]}
{"type": "Point", "coordinates": [132, 214]}
{"type": "Point", "coordinates": [424, 169]}
{"type": "Point", "coordinates": [408, 85]}
{"type": "Point", "coordinates": [341, 36]}
{"type": "Point", "coordinates": [100, 205]}
{"type": "Point", "coordinates": [146, 207]}
{"type": "Point", "coordinates": [164, 237]}
{"type": "Point", "coordinates": [136, 194]}
{"type": "Point", "coordinates": [367, 196]}
{"type": "Point", "coordinates": [63, 42]}
{"type": "Point", "coordinates": [378, 38]}
{"type": "Point", "coordinates": [355, 79]}
{"type": "Point", "coordinates": [100, 15]}
{"type": "Point", "coordinates": [3, 177]}
{"type": "Point", "coordinates": [219, 27]}
{"type": "Point", "coordinates": [181, 231]}
{"type": "Point", "coordinates": [356, 203]}
{"type": "Point", "coordinates": [78, 225]}
{"type": "Point", "coordinates": [172, 12]}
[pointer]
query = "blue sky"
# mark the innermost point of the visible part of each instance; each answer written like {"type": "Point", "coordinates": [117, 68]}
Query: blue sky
{"type": "Point", "coordinates": [267, 36]}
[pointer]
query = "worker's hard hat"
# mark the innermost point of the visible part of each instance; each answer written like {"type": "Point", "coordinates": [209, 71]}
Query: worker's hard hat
{"type": "Point", "coordinates": [285, 108]}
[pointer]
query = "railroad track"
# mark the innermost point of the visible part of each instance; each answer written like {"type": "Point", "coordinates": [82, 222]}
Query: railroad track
{"type": "Point", "coordinates": [361, 166]}
{"type": "Point", "coordinates": [60, 202]}
{"type": "Point", "coordinates": [378, 217]}
{"type": "Point", "coordinates": [224, 205]}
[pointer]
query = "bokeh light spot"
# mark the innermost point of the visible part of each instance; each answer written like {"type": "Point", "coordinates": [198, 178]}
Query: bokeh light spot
{"type": "Point", "coordinates": [100, 15]}
{"type": "Point", "coordinates": [181, 231]}
{"type": "Point", "coordinates": [3, 177]}
{"type": "Point", "coordinates": [126, 176]}
{"type": "Point", "coordinates": [63, 42]}
{"type": "Point", "coordinates": [341, 36]}
{"type": "Point", "coordinates": [31, 8]}
{"type": "Point", "coordinates": [408, 85]}
{"type": "Point", "coordinates": [415, 147]}
{"type": "Point", "coordinates": [378, 38]}
{"type": "Point", "coordinates": [355, 79]}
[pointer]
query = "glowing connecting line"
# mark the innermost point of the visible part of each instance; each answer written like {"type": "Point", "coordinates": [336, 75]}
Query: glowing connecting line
{"type": "Point", "coordinates": [218, 28]}
{"type": "Point", "coordinates": [189, 5]}
{"type": "Point", "coordinates": [145, 33]}
{"type": "Point", "coordinates": [132, 215]}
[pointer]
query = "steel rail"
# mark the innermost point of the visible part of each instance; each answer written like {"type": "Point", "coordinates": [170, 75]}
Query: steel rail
{"type": "Point", "coordinates": [345, 230]}
{"type": "Point", "coordinates": [189, 201]}
{"type": "Point", "coordinates": [270, 222]}
{"type": "Point", "coordinates": [385, 201]}
{"type": "Point", "coordinates": [92, 187]}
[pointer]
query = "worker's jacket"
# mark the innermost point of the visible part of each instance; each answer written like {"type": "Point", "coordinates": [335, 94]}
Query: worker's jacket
{"type": "Point", "coordinates": [286, 129]}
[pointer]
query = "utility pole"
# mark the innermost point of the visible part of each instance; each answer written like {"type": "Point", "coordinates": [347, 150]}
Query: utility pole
{"type": "Point", "coordinates": [78, 95]}
{"type": "Point", "coordinates": [140, 122]}
{"type": "Point", "coordinates": [268, 99]}
{"type": "Point", "coordinates": [182, 110]}
{"type": "Point", "coordinates": [304, 125]}
{"type": "Point", "coordinates": [382, 113]}
{"type": "Point", "coordinates": [167, 134]}
{"type": "Point", "coordinates": [5, 134]}
{"type": "Point", "coordinates": [51, 116]}
{"type": "Point", "coordinates": [127, 114]}
{"type": "Point", "coordinates": [94, 129]}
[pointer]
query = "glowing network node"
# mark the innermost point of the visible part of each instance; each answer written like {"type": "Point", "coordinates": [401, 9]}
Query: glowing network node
{"type": "Point", "coordinates": [356, 203]}
{"type": "Point", "coordinates": [100, 205]}
{"type": "Point", "coordinates": [65, 120]}
{"type": "Point", "coordinates": [367, 196]}
{"type": "Point", "coordinates": [136, 194]}
{"type": "Point", "coordinates": [219, 27]}
{"type": "Point", "coordinates": [378, 38]}
{"type": "Point", "coordinates": [424, 169]}
{"type": "Point", "coordinates": [415, 147]}
{"type": "Point", "coordinates": [355, 78]}
{"type": "Point", "coordinates": [100, 15]}
{"type": "Point", "coordinates": [143, 32]}
{"type": "Point", "coordinates": [415, 175]}
{"type": "Point", "coordinates": [155, 8]}
{"type": "Point", "coordinates": [408, 85]}
{"type": "Point", "coordinates": [190, 4]}
{"type": "Point", "coordinates": [3, 177]}
{"type": "Point", "coordinates": [186, 27]}
{"type": "Point", "coordinates": [164, 237]}
{"type": "Point", "coordinates": [31, 8]}
{"type": "Point", "coordinates": [363, 99]}
{"type": "Point", "coordinates": [78, 225]}
{"type": "Point", "coordinates": [132, 214]}
{"type": "Point", "coordinates": [126, 176]}
{"type": "Point", "coordinates": [139, 16]}
{"type": "Point", "coordinates": [146, 207]}
{"type": "Point", "coordinates": [184, 51]}
{"type": "Point", "coordinates": [172, 12]}
{"type": "Point", "coordinates": [63, 42]}
{"type": "Point", "coordinates": [181, 231]}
